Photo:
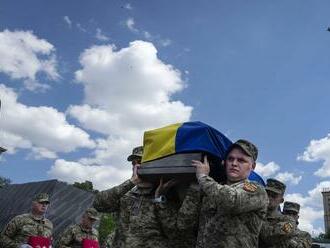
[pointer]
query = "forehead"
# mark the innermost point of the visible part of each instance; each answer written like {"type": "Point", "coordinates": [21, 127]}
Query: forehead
{"type": "Point", "coordinates": [273, 194]}
{"type": "Point", "coordinates": [237, 152]}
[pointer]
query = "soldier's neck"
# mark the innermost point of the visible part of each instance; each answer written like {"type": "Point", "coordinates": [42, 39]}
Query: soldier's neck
{"type": "Point", "coordinates": [36, 215]}
{"type": "Point", "coordinates": [274, 211]}
{"type": "Point", "coordinates": [229, 182]}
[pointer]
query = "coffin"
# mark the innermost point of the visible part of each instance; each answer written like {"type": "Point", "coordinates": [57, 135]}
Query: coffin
{"type": "Point", "coordinates": [168, 151]}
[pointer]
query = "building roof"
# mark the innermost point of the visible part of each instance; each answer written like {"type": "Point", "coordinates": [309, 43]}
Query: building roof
{"type": "Point", "coordinates": [67, 203]}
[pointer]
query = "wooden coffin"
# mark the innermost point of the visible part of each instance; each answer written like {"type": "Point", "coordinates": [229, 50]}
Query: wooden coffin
{"type": "Point", "coordinates": [178, 166]}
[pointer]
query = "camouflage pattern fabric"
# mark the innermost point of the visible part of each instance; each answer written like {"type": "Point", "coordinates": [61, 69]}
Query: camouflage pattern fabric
{"type": "Point", "coordinates": [73, 236]}
{"type": "Point", "coordinates": [109, 240]}
{"type": "Point", "coordinates": [231, 215]}
{"type": "Point", "coordinates": [301, 239]}
{"type": "Point", "coordinates": [180, 223]}
{"type": "Point", "coordinates": [144, 223]}
{"type": "Point", "coordinates": [109, 201]}
{"type": "Point", "coordinates": [21, 227]}
{"type": "Point", "coordinates": [277, 231]}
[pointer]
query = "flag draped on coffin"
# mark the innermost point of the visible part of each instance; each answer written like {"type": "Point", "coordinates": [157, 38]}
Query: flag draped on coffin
{"type": "Point", "coordinates": [182, 138]}
{"type": "Point", "coordinates": [187, 137]}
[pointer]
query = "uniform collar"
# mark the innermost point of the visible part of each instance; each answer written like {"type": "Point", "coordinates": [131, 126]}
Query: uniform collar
{"type": "Point", "coordinates": [85, 229]}
{"type": "Point", "coordinates": [37, 218]}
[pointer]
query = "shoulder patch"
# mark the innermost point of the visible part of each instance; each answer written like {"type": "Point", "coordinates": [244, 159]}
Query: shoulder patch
{"type": "Point", "coordinates": [287, 227]}
{"type": "Point", "coordinates": [249, 187]}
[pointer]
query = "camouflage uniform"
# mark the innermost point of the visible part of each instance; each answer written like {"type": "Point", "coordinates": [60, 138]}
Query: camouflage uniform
{"type": "Point", "coordinates": [73, 236]}
{"type": "Point", "coordinates": [301, 239]}
{"type": "Point", "coordinates": [21, 227]}
{"type": "Point", "coordinates": [231, 215]}
{"type": "Point", "coordinates": [110, 201]}
{"type": "Point", "coordinates": [278, 229]}
{"type": "Point", "coordinates": [180, 221]}
{"type": "Point", "coordinates": [145, 223]}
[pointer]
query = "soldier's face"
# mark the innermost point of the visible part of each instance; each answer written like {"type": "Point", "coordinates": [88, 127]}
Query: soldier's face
{"type": "Point", "coordinates": [39, 207]}
{"type": "Point", "coordinates": [275, 199]}
{"type": "Point", "coordinates": [238, 165]}
{"type": "Point", "coordinates": [87, 221]}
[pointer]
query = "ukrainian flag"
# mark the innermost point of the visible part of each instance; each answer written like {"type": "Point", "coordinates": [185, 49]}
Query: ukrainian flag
{"type": "Point", "coordinates": [183, 138]}
{"type": "Point", "coordinates": [187, 137]}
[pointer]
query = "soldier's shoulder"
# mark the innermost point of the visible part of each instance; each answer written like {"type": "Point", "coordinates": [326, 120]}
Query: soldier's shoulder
{"type": "Point", "coordinates": [48, 223]}
{"type": "Point", "coordinates": [21, 217]}
{"type": "Point", "coordinates": [95, 232]}
{"type": "Point", "coordinates": [253, 187]}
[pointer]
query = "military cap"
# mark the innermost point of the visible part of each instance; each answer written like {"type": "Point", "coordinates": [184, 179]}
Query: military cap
{"type": "Point", "coordinates": [250, 149]}
{"type": "Point", "coordinates": [92, 213]}
{"type": "Point", "coordinates": [291, 206]}
{"type": "Point", "coordinates": [136, 153]}
{"type": "Point", "coordinates": [275, 186]}
{"type": "Point", "coordinates": [41, 197]}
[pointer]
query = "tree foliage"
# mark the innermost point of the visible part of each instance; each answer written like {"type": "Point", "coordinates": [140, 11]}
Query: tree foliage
{"type": "Point", "coordinates": [87, 186]}
{"type": "Point", "coordinates": [106, 226]}
{"type": "Point", "coordinates": [4, 181]}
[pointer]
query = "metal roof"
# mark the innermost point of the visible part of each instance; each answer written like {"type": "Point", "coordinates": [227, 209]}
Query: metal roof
{"type": "Point", "coordinates": [67, 203]}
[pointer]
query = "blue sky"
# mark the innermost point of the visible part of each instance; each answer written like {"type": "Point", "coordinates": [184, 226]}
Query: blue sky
{"type": "Point", "coordinates": [81, 81]}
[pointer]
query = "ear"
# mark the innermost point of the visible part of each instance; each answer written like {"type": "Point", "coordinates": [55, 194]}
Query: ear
{"type": "Point", "coordinates": [254, 165]}
{"type": "Point", "coordinates": [282, 199]}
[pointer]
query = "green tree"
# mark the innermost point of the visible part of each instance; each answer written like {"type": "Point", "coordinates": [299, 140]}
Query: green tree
{"type": "Point", "coordinates": [87, 185]}
{"type": "Point", "coordinates": [4, 181]}
{"type": "Point", "coordinates": [106, 226]}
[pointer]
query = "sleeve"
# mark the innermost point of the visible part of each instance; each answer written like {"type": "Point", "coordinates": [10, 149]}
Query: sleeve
{"type": "Point", "coordinates": [8, 234]}
{"type": "Point", "coordinates": [246, 198]}
{"type": "Point", "coordinates": [109, 200]}
{"type": "Point", "coordinates": [301, 240]}
{"type": "Point", "coordinates": [284, 229]}
{"type": "Point", "coordinates": [65, 238]}
{"type": "Point", "coordinates": [183, 220]}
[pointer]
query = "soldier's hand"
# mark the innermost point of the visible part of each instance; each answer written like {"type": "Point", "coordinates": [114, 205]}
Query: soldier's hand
{"type": "Point", "coordinates": [202, 168]}
{"type": "Point", "coordinates": [135, 177]}
{"type": "Point", "coordinates": [163, 188]}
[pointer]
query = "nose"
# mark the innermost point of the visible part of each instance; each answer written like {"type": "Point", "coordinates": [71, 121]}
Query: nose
{"type": "Point", "coordinates": [234, 162]}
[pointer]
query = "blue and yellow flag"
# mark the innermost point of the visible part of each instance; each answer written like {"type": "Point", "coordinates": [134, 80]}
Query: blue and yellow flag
{"type": "Point", "coordinates": [187, 137]}
{"type": "Point", "coordinates": [182, 138]}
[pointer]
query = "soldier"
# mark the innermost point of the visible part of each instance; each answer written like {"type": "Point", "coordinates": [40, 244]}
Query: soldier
{"type": "Point", "coordinates": [31, 229]}
{"type": "Point", "coordinates": [81, 235]}
{"type": "Point", "coordinates": [141, 207]}
{"type": "Point", "coordinates": [277, 229]}
{"type": "Point", "coordinates": [116, 238]}
{"type": "Point", "coordinates": [301, 239]}
{"type": "Point", "coordinates": [231, 213]}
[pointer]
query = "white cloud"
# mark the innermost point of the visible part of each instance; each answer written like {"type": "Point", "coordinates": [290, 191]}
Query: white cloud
{"type": "Point", "coordinates": [268, 169]}
{"type": "Point", "coordinates": [165, 42]}
{"type": "Point", "coordinates": [103, 177]}
{"type": "Point", "coordinates": [67, 21]}
{"type": "Point", "coordinates": [318, 150]}
{"type": "Point", "coordinates": [21, 52]}
{"type": "Point", "coordinates": [130, 23]}
{"type": "Point", "coordinates": [100, 35]}
{"type": "Point", "coordinates": [81, 28]}
{"type": "Point", "coordinates": [287, 177]}
{"type": "Point", "coordinates": [128, 6]}
{"type": "Point", "coordinates": [127, 91]}
{"type": "Point", "coordinates": [311, 209]}
{"type": "Point", "coordinates": [44, 130]}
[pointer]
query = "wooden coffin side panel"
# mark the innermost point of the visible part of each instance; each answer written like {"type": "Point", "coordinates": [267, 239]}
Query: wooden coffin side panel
{"type": "Point", "coordinates": [174, 166]}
